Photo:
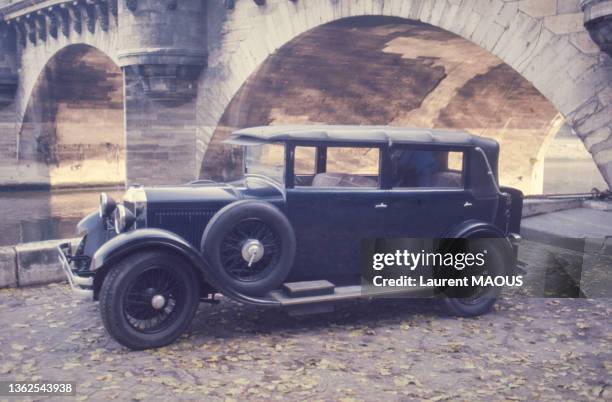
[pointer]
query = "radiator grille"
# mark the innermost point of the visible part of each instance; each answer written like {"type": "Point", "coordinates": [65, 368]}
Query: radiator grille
{"type": "Point", "coordinates": [188, 224]}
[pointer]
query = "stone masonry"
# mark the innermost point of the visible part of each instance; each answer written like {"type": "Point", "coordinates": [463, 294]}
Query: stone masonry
{"type": "Point", "coordinates": [183, 61]}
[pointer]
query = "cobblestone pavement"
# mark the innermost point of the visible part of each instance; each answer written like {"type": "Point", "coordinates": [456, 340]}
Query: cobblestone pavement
{"type": "Point", "coordinates": [527, 349]}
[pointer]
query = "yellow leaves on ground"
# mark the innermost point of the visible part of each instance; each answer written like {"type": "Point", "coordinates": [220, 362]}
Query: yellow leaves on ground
{"type": "Point", "coordinates": [104, 377]}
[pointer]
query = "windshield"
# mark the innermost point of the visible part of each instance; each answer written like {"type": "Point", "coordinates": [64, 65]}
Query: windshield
{"type": "Point", "coordinates": [267, 160]}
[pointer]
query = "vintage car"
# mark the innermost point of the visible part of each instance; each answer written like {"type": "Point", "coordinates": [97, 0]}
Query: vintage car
{"type": "Point", "coordinates": [290, 232]}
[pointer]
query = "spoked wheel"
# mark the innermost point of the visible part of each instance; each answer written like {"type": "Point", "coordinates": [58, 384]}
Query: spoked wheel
{"type": "Point", "coordinates": [152, 301]}
{"type": "Point", "coordinates": [478, 299]}
{"type": "Point", "coordinates": [149, 299]}
{"type": "Point", "coordinates": [251, 245]}
{"type": "Point", "coordinates": [250, 249]}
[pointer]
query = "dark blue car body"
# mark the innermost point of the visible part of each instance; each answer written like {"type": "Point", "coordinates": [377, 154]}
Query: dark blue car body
{"type": "Point", "coordinates": [329, 223]}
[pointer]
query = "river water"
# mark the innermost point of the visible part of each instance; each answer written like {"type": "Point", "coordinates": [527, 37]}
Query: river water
{"type": "Point", "coordinates": [43, 215]}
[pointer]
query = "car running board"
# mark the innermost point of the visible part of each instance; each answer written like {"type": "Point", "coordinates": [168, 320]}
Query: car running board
{"type": "Point", "coordinates": [312, 297]}
{"type": "Point", "coordinates": [318, 296]}
{"type": "Point", "coordinates": [309, 292]}
{"type": "Point", "coordinates": [308, 288]}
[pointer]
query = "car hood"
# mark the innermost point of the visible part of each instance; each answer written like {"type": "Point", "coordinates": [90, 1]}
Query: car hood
{"type": "Point", "coordinates": [212, 194]}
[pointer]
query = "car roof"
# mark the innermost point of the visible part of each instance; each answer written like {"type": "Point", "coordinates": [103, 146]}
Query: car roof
{"type": "Point", "coordinates": [355, 134]}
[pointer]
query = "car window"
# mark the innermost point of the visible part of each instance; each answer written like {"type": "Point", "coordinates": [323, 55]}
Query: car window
{"type": "Point", "coordinates": [412, 168]}
{"type": "Point", "coordinates": [349, 167]}
{"type": "Point", "coordinates": [305, 160]}
{"type": "Point", "coordinates": [267, 160]}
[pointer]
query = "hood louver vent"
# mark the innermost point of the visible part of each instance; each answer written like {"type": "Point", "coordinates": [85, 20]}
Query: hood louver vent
{"type": "Point", "coordinates": [189, 224]}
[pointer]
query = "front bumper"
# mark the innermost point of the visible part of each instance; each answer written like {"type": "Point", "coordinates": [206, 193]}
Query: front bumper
{"type": "Point", "coordinates": [81, 285]}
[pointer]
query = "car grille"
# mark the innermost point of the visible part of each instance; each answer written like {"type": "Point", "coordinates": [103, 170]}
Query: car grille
{"type": "Point", "coordinates": [189, 224]}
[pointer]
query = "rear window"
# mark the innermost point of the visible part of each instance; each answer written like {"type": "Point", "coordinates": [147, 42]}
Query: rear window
{"type": "Point", "coordinates": [427, 169]}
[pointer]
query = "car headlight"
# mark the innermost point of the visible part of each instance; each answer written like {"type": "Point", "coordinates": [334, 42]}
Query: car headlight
{"type": "Point", "coordinates": [135, 200]}
{"type": "Point", "coordinates": [107, 205]}
{"type": "Point", "coordinates": [123, 218]}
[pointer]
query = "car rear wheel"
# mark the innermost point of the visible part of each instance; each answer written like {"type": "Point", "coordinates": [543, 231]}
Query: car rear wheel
{"type": "Point", "coordinates": [477, 300]}
{"type": "Point", "coordinates": [148, 299]}
{"type": "Point", "coordinates": [251, 245]}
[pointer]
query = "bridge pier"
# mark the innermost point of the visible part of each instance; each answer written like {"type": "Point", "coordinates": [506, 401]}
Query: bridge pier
{"type": "Point", "coordinates": [161, 71]}
{"type": "Point", "coordinates": [8, 86]}
{"type": "Point", "coordinates": [160, 123]}
{"type": "Point", "coordinates": [593, 123]}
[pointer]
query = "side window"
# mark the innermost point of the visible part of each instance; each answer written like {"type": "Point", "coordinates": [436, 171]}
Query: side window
{"type": "Point", "coordinates": [305, 160]}
{"type": "Point", "coordinates": [426, 169]}
{"type": "Point", "coordinates": [350, 167]}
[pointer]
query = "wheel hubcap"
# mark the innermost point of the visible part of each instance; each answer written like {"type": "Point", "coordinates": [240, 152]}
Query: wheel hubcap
{"type": "Point", "coordinates": [249, 249]}
{"type": "Point", "coordinates": [252, 251]}
{"type": "Point", "coordinates": [158, 302]}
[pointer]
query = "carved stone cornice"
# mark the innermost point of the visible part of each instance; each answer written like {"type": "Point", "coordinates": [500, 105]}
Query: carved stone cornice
{"type": "Point", "coordinates": [90, 17]}
{"type": "Point", "coordinates": [52, 22]}
{"type": "Point", "coordinates": [166, 83]}
{"type": "Point", "coordinates": [64, 18]}
{"type": "Point", "coordinates": [22, 32]}
{"type": "Point", "coordinates": [165, 65]}
{"type": "Point", "coordinates": [161, 56]}
{"type": "Point", "coordinates": [31, 28]}
{"type": "Point", "coordinates": [102, 11]}
{"type": "Point", "coordinates": [76, 17]}
{"type": "Point", "coordinates": [43, 19]}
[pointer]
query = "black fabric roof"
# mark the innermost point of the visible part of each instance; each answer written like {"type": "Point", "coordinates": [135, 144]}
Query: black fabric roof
{"type": "Point", "coordinates": [356, 134]}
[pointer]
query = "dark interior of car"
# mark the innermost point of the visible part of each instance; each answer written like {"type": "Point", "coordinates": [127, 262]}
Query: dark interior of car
{"type": "Point", "coordinates": [411, 169]}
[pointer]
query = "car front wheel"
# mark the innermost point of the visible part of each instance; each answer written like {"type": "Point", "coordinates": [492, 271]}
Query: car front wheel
{"type": "Point", "coordinates": [148, 299]}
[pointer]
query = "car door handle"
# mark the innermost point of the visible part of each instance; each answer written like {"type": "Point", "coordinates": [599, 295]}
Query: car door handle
{"type": "Point", "coordinates": [381, 205]}
{"type": "Point", "coordinates": [467, 204]}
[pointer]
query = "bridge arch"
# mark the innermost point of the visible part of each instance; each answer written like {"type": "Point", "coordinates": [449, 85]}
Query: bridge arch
{"type": "Point", "coordinates": [36, 58]}
{"type": "Point", "coordinates": [72, 131]}
{"type": "Point", "coordinates": [575, 81]}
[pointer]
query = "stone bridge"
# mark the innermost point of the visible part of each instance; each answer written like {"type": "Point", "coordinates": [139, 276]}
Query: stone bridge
{"type": "Point", "coordinates": [107, 91]}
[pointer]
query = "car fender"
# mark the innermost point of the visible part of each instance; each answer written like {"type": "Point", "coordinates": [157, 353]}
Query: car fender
{"type": "Point", "coordinates": [478, 229]}
{"type": "Point", "coordinates": [139, 239]}
{"type": "Point", "coordinates": [472, 229]}
{"type": "Point", "coordinates": [89, 223]}
{"type": "Point", "coordinates": [128, 242]}
{"type": "Point", "coordinates": [94, 228]}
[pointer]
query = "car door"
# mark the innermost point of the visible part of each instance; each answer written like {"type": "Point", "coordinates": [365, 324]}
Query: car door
{"type": "Point", "coordinates": [329, 225]}
{"type": "Point", "coordinates": [425, 213]}
{"type": "Point", "coordinates": [426, 207]}
{"type": "Point", "coordinates": [330, 219]}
